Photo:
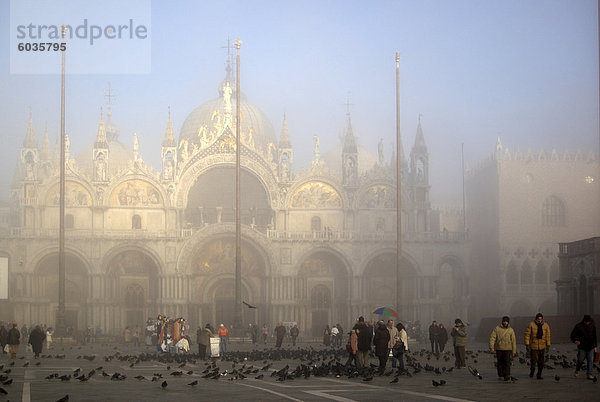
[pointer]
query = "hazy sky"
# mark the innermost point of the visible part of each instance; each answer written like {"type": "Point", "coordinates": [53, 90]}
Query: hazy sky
{"type": "Point", "coordinates": [526, 71]}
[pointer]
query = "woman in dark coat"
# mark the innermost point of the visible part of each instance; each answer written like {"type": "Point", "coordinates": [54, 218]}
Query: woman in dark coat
{"type": "Point", "coordinates": [443, 337]}
{"type": "Point", "coordinates": [381, 341]}
{"type": "Point", "coordinates": [36, 340]}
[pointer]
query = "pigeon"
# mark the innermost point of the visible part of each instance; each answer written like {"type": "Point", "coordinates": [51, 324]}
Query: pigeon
{"type": "Point", "coordinates": [259, 377]}
{"type": "Point", "coordinates": [3, 391]}
{"type": "Point", "coordinates": [556, 378]}
{"type": "Point", "coordinates": [474, 372]}
{"type": "Point", "coordinates": [26, 364]}
{"type": "Point", "coordinates": [7, 382]}
{"type": "Point", "coordinates": [248, 305]}
{"type": "Point", "coordinates": [395, 380]}
{"type": "Point", "coordinates": [64, 398]}
{"type": "Point", "coordinates": [193, 383]}
{"type": "Point", "coordinates": [368, 379]}
{"type": "Point", "coordinates": [164, 384]}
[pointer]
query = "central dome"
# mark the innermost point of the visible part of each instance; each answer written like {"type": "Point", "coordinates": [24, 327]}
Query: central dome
{"type": "Point", "coordinates": [204, 124]}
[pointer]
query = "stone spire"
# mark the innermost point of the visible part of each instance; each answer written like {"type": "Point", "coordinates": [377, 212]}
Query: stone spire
{"type": "Point", "coordinates": [101, 141]}
{"type": "Point", "coordinates": [284, 138]}
{"type": "Point", "coordinates": [46, 152]}
{"type": "Point", "coordinates": [169, 152]}
{"type": "Point", "coordinates": [30, 141]}
{"type": "Point", "coordinates": [420, 145]}
{"type": "Point", "coordinates": [349, 156]}
{"type": "Point", "coordinates": [169, 140]}
{"type": "Point", "coordinates": [285, 153]}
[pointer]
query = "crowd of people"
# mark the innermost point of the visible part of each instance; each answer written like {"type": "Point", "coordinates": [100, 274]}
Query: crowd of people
{"type": "Point", "coordinates": [388, 340]}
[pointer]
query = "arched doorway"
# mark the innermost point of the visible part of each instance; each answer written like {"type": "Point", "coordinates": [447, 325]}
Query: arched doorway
{"type": "Point", "coordinates": [132, 287]}
{"type": "Point", "coordinates": [324, 276]}
{"type": "Point", "coordinates": [212, 270]}
{"type": "Point", "coordinates": [76, 291]}
{"type": "Point", "coordinates": [380, 284]}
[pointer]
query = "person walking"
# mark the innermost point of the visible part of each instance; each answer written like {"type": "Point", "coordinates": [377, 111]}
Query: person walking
{"type": "Point", "coordinates": [203, 336]}
{"type": "Point", "coordinates": [13, 340]}
{"type": "Point", "coordinates": [503, 342]}
{"type": "Point", "coordinates": [3, 337]}
{"type": "Point", "coordinates": [280, 332]}
{"type": "Point", "coordinates": [294, 332]}
{"type": "Point", "coordinates": [434, 337]}
{"type": "Point", "coordinates": [584, 336]}
{"type": "Point", "coordinates": [393, 340]}
{"type": "Point", "coordinates": [352, 349]}
{"type": "Point", "coordinates": [335, 332]}
{"type": "Point", "coordinates": [36, 340]}
{"type": "Point", "coordinates": [223, 332]}
{"type": "Point", "coordinates": [49, 333]}
{"type": "Point", "coordinates": [265, 333]}
{"type": "Point", "coordinates": [443, 340]}
{"type": "Point", "coordinates": [365, 335]}
{"type": "Point", "coordinates": [381, 340]}
{"type": "Point", "coordinates": [327, 336]}
{"type": "Point", "coordinates": [401, 346]}
{"type": "Point", "coordinates": [537, 340]}
{"type": "Point", "coordinates": [459, 333]}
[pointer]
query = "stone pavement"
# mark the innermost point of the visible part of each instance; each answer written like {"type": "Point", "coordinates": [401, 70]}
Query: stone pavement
{"type": "Point", "coordinates": [30, 382]}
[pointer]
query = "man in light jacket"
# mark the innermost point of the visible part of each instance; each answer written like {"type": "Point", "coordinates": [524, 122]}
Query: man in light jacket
{"type": "Point", "coordinates": [503, 342]}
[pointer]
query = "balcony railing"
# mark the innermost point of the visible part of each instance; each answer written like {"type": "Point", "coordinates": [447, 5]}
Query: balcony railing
{"type": "Point", "coordinates": [279, 235]}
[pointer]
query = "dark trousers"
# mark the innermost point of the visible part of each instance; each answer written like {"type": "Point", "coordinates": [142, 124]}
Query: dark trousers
{"type": "Point", "coordinates": [352, 358]}
{"type": "Point", "coordinates": [503, 363]}
{"type": "Point", "coordinates": [537, 359]}
{"type": "Point", "coordinates": [202, 351]}
{"type": "Point", "coordinates": [278, 342]}
{"type": "Point", "coordinates": [294, 340]}
{"type": "Point", "coordinates": [382, 362]}
{"type": "Point", "coordinates": [459, 356]}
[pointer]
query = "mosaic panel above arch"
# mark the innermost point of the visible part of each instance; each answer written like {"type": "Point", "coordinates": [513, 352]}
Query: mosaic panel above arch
{"type": "Point", "coordinates": [75, 195]}
{"type": "Point", "coordinates": [378, 196]}
{"type": "Point", "coordinates": [135, 193]}
{"type": "Point", "coordinates": [218, 256]}
{"type": "Point", "coordinates": [316, 194]}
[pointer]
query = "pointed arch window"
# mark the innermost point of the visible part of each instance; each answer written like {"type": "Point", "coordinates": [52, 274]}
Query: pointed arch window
{"type": "Point", "coordinates": [134, 296]}
{"type": "Point", "coordinates": [553, 212]}
{"type": "Point", "coordinates": [512, 275]}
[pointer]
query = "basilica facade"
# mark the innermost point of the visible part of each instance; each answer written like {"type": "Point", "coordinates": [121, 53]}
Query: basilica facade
{"type": "Point", "coordinates": [318, 241]}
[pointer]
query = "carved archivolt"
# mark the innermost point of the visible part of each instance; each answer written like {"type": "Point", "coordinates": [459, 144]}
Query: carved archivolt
{"type": "Point", "coordinates": [316, 194]}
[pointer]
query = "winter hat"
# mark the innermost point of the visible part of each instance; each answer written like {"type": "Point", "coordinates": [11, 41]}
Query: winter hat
{"type": "Point", "coordinates": [457, 321]}
{"type": "Point", "coordinates": [587, 318]}
{"type": "Point", "coordinates": [505, 318]}
{"type": "Point", "coordinates": [539, 315]}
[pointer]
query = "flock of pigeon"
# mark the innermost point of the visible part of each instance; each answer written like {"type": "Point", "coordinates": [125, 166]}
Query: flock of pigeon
{"type": "Point", "coordinates": [238, 365]}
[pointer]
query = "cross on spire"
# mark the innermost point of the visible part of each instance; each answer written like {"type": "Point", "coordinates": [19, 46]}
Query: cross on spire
{"type": "Point", "coordinates": [348, 104]}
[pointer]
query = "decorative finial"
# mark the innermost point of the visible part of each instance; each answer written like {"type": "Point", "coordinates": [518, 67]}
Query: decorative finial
{"type": "Point", "coordinates": [348, 104]}
{"type": "Point", "coordinates": [420, 115]}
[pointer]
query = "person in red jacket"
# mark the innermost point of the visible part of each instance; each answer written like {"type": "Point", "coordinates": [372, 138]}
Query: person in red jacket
{"type": "Point", "coordinates": [223, 332]}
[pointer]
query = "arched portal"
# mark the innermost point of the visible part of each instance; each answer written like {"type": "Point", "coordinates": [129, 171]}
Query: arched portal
{"type": "Point", "coordinates": [380, 285]}
{"type": "Point", "coordinates": [76, 290]}
{"type": "Point", "coordinates": [212, 270]}
{"type": "Point", "coordinates": [324, 276]}
{"type": "Point", "coordinates": [132, 287]}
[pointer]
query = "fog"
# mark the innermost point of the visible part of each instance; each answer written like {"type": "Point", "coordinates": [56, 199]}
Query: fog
{"type": "Point", "coordinates": [471, 72]}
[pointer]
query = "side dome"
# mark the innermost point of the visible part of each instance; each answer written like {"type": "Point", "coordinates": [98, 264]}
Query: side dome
{"type": "Point", "coordinates": [206, 122]}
